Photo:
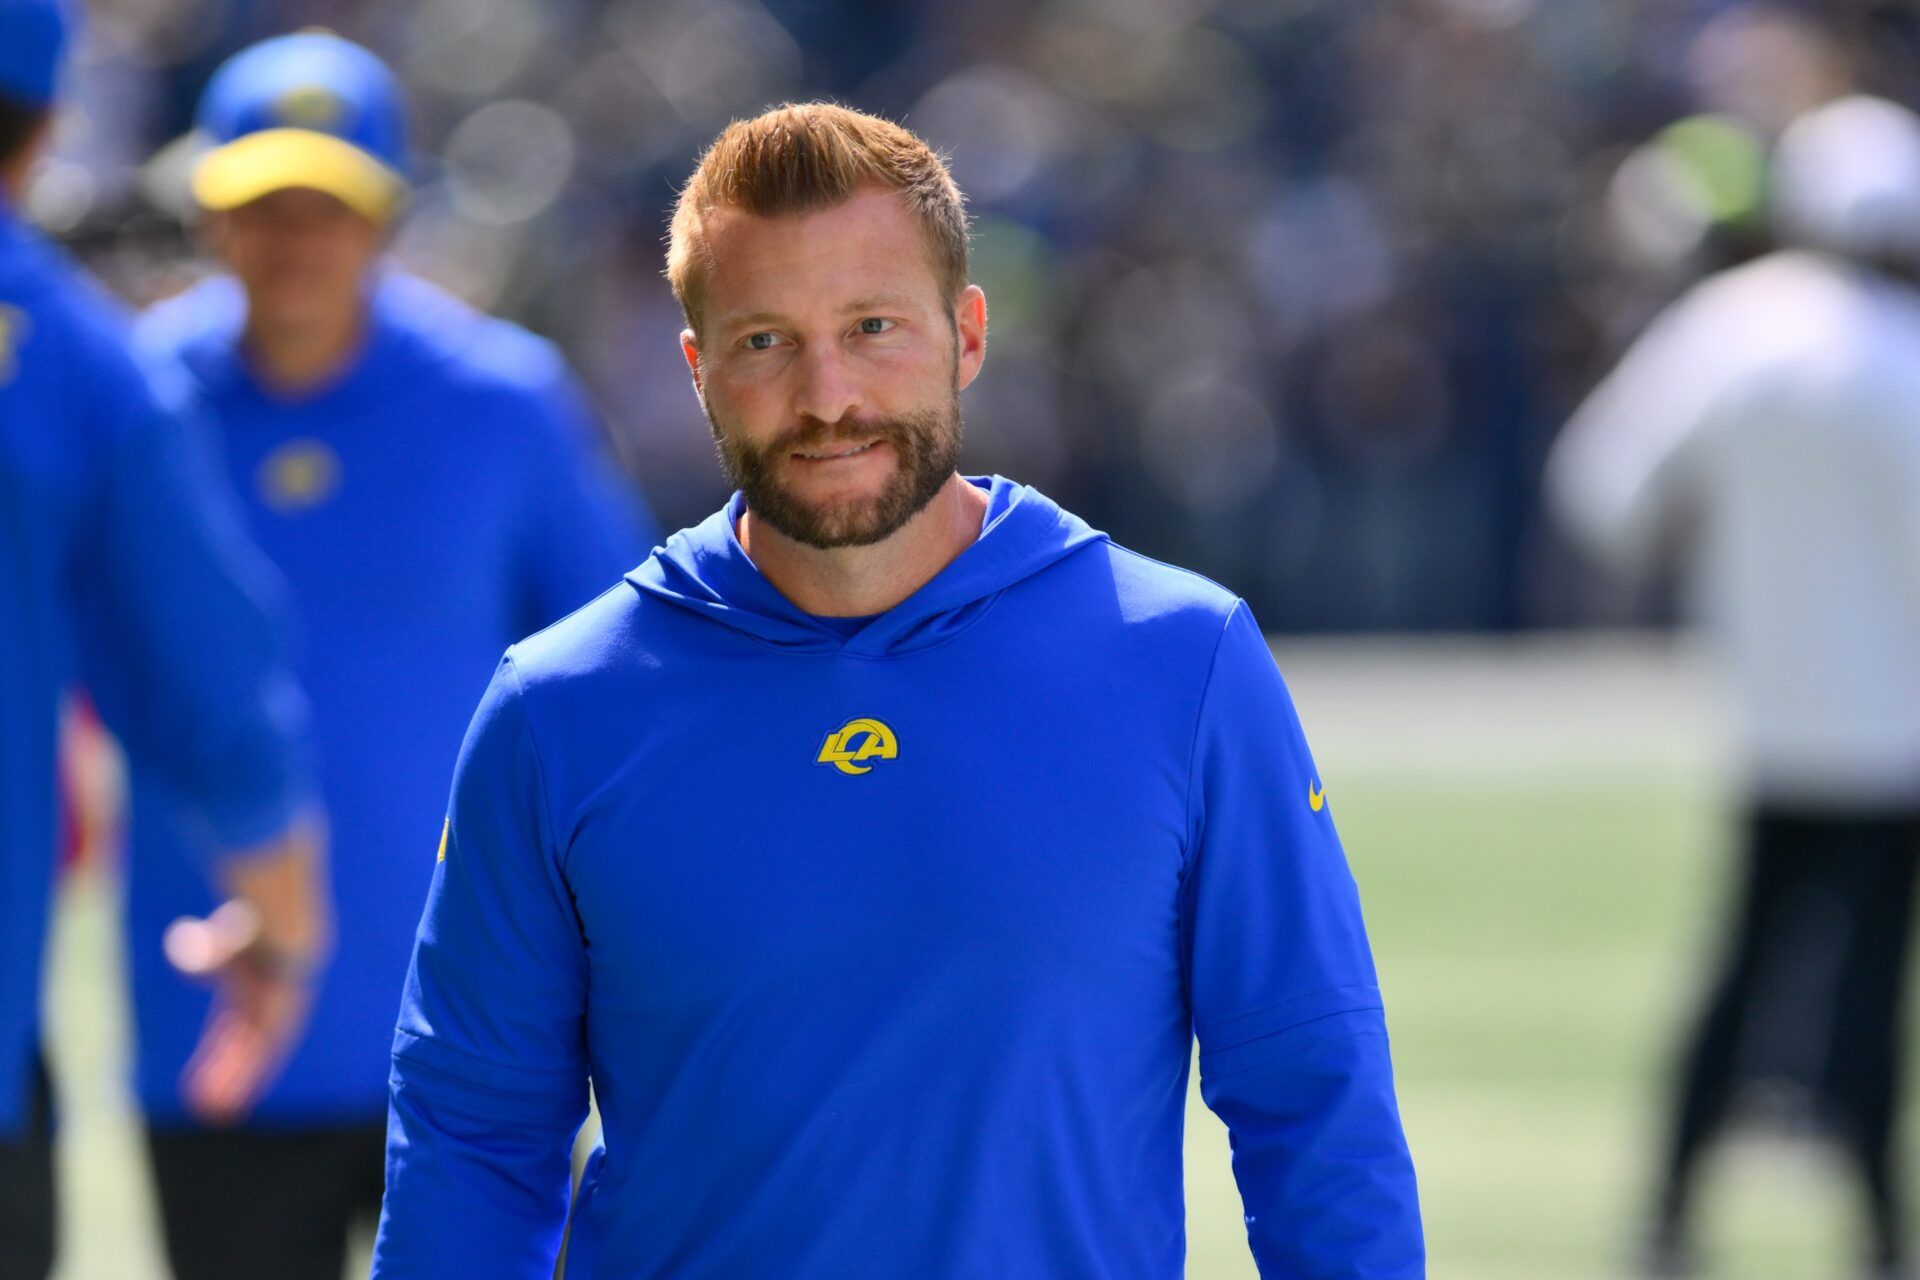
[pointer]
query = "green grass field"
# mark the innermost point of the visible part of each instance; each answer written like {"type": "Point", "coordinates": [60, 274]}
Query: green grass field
{"type": "Point", "coordinates": [1538, 931]}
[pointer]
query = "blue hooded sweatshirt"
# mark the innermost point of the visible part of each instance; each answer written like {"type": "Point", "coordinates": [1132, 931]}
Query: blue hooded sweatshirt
{"type": "Point", "coordinates": [884, 952]}
{"type": "Point", "coordinates": [121, 568]}
{"type": "Point", "coordinates": [437, 500]}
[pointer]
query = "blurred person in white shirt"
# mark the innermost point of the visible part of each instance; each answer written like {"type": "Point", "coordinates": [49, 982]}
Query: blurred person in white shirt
{"type": "Point", "coordinates": [1763, 437]}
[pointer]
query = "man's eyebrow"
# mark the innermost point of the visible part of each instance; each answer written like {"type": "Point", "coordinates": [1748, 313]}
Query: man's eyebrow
{"type": "Point", "coordinates": [879, 302]}
{"type": "Point", "coordinates": [751, 317]}
{"type": "Point", "coordinates": [870, 303]}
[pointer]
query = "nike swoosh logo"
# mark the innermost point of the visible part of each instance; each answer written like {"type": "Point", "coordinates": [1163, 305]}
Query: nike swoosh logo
{"type": "Point", "coordinates": [1316, 797]}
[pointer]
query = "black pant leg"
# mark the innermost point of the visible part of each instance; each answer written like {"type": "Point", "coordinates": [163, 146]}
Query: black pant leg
{"type": "Point", "coordinates": [1709, 1069]}
{"type": "Point", "coordinates": [1862, 1086]}
{"type": "Point", "coordinates": [244, 1203]}
{"type": "Point", "coordinates": [27, 1208]}
{"type": "Point", "coordinates": [364, 1155]}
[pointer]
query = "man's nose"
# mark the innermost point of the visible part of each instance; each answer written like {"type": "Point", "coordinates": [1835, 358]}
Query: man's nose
{"type": "Point", "coordinates": [827, 389]}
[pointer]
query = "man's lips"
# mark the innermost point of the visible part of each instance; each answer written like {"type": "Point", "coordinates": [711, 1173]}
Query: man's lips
{"type": "Point", "coordinates": [836, 452]}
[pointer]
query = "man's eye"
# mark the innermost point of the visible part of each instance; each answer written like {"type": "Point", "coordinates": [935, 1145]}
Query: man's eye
{"type": "Point", "coordinates": [760, 341]}
{"type": "Point", "coordinates": [875, 324]}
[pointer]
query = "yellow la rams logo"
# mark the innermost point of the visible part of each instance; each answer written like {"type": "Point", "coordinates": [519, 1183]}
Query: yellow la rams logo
{"type": "Point", "coordinates": [445, 828]}
{"type": "Point", "coordinates": [14, 325]}
{"type": "Point", "coordinates": [310, 106]}
{"type": "Point", "coordinates": [849, 747]}
{"type": "Point", "coordinates": [298, 476]}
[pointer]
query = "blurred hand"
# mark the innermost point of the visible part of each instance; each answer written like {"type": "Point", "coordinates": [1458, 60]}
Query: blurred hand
{"type": "Point", "coordinates": [261, 949]}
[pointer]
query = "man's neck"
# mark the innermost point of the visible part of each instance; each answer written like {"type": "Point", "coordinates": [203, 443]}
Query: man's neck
{"type": "Point", "coordinates": [857, 582]}
{"type": "Point", "coordinates": [15, 173]}
{"type": "Point", "coordinates": [299, 358]}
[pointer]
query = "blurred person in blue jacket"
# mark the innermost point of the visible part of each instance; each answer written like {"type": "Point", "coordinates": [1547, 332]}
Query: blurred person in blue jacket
{"type": "Point", "coordinates": [426, 478]}
{"type": "Point", "coordinates": [120, 570]}
{"type": "Point", "coordinates": [1764, 434]}
{"type": "Point", "coordinates": [878, 848]}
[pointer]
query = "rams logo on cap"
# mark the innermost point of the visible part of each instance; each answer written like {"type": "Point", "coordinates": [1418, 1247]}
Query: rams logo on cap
{"type": "Point", "coordinates": [14, 325]}
{"type": "Point", "coordinates": [311, 106]}
{"type": "Point", "coordinates": [849, 747]}
{"type": "Point", "coordinates": [298, 476]}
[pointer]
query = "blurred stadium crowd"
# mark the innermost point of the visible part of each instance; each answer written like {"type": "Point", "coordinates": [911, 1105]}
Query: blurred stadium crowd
{"type": "Point", "coordinates": [1294, 291]}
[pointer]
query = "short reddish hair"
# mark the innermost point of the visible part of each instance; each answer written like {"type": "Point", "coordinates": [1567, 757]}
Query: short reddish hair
{"type": "Point", "coordinates": [808, 156]}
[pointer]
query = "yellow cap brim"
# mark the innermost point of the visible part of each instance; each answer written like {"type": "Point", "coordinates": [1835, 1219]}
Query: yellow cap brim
{"type": "Point", "coordinates": [272, 160]}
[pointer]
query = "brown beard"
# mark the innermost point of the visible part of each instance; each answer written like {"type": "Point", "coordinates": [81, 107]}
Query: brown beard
{"type": "Point", "coordinates": [927, 444]}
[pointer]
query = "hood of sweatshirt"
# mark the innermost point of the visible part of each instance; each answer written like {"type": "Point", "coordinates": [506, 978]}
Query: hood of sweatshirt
{"type": "Point", "coordinates": [705, 569]}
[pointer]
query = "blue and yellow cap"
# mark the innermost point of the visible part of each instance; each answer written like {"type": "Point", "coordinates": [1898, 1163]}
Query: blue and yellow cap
{"type": "Point", "coordinates": [33, 38]}
{"type": "Point", "coordinates": [305, 110]}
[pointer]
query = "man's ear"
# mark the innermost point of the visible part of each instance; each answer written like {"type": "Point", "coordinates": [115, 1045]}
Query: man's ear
{"type": "Point", "coordinates": [209, 227]}
{"type": "Point", "coordinates": [970, 329]}
{"type": "Point", "coordinates": [690, 348]}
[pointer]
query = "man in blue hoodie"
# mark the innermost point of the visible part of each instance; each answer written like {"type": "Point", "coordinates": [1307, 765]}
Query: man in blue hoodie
{"type": "Point", "coordinates": [425, 476]}
{"type": "Point", "coordinates": [879, 846]}
{"type": "Point", "coordinates": [120, 570]}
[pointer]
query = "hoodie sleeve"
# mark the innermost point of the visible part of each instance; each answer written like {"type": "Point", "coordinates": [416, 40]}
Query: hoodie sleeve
{"type": "Point", "coordinates": [1293, 1041]}
{"type": "Point", "coordinates": [183, 634]}
{"type": "Point", "coordinates": [586, 524]}
{"type": "Point", "coordinates": [1617, 478]}
{"type": "Point", "coordinates": [489, 1080]}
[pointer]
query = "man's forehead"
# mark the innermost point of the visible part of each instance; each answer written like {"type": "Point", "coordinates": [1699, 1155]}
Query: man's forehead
{"type": "Point", "coordinates": [866, 249]}
{"type": "Point", "coordinates": [296, 199]}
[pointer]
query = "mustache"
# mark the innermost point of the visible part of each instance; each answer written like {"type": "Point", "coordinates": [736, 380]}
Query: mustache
{"type": "Point", "coordinates": [813, 434]}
